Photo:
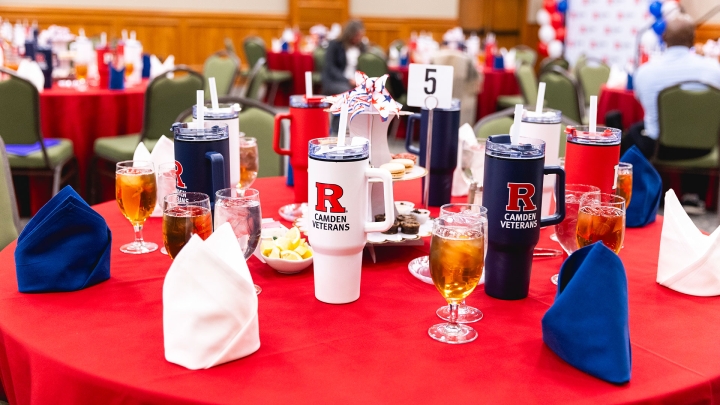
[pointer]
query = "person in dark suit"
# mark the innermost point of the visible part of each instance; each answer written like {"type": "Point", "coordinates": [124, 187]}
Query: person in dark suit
{"type": "Point", "coordinates": [338, 74]}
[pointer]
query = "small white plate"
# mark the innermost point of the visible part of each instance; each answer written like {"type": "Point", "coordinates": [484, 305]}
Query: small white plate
{"type": "Point", "coordinates": [291, 212]}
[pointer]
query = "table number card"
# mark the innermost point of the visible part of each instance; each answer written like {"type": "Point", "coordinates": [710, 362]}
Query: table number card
{"type": "Point", "coordinates": [435, 81]}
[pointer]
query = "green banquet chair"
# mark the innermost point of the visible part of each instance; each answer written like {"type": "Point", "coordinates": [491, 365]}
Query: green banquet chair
{"type": "Point", "coordinates": [255, 81]}
{"type": "Point", "coordinates": [9, 224]}
{"type": "Point", "coordinates": [525, 54]}
{"type": "Point", "coordinates": [548, 63]}
{"type": "Point", "coordinates": [689, 117]}
{"type": "Point", "coordinates": [563, 93]}
{"type": "Point", "coordinates": [224, 67]}
{"type": "Point", "coordinates": [591, 76]}
{"type": "Point", "coordinates": [318, 64]}
{"type": "Point", "coordinates": [372, 64]}
{"type": "Point", "coordinates": [527, 81]}
{"type": "Point", "coordinates": [257, 120]}
{"type": "Point", "coordinates": [580, 62]}
{"type": "Point", "coordinates": [165, 98]}
{"type": "Point", "coordinates": [255, 50]}
{"type": "Point", "coordinates": [20, 124]}
{"type": "Point", "coordinates": [397, 44]}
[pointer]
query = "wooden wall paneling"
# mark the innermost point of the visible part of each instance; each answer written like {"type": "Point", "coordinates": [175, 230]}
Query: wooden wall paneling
{"type": "Point", "coordinates": [382, 31]}
{"type": "Point", "coordinates": [471, 17]}
{"type": "Point", "coordinates": [306, 13]}
{"type": "Point", "coordinates": [707, 31]}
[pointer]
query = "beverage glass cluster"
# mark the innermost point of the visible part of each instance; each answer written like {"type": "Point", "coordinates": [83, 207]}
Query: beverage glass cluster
{"type": "Point", "coordinates": [136, 195]}
{"type": "Point", "coordinates": [601, 218]}
{"type": "Point", "coordinates": [184, 215]}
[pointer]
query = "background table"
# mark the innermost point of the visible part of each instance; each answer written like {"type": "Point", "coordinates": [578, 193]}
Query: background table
{"type": "Point", "coordinates": [297, 63]}
{"type": "Point", "coordinates": [622, 100]}
{"type": "Point", "coordinates": [104, 344]}
{"type": "Point", "coordinates": [497, 82]}
{"type": "Point", "coordinates": [83, 117]}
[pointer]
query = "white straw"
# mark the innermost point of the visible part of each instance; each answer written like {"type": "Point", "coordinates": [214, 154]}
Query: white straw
{"type": "Point", "coordinates": [213, 93]}
{"type": "Point", "coordinates": [103, 39]}
{"type": "Point", "coordinates": [515, 129]}
{"type": "Point", "coordinates": [200, 120]}
{"type": "Point", "coordinates": [308, 85]}
{"type": "Point", "coordinates": [593, 114]}
{"type": "Point", "coordinates": [540, 99]}
{"type": "Point", "coordinates": [343, 124]}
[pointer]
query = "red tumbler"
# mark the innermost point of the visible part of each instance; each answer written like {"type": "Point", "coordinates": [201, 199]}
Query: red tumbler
{"type": "Point", "coordinates": [592, 157]}
{"type": "Point", "coordinates": [308, 120]}
{"type": "Point", "coordinates": [104, 59]}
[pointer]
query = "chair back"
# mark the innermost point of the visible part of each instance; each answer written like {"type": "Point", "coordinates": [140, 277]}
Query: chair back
{"type": "Point", "coordinates": [255, 81]}
{"type": "Point", "coordinates": [563, 93]}
{"type": "Point", "coordinates": [497, 123]}
{"type": "Point", "coordinates": [254, 50]}
{"type": "Point", "coordinates": [592, 75]}
{"type": "Point", "coordinates": [319, 59]}
{"type": "Point", "coordinates": [165, 98]}
{"type": "Point", "coordinates": [372, 64]}
{"type": "Point", "coordinates": [527, 81]}
{"type": "Point", "coordinates": [580, 62]}
{"type": "Point", "coordinates": [689, 116]}
{"type": "Point", "coordinates": [397, 44]}
{"type": "Point", "coordinates": [19, 110]}
{"type": "Point", "coordinates": [230, 46]}
{"type": "Point", "coordinates": [548, 63]}
{"type": "Point", "coordinates": [525, 54]}
{"type": "Point", "coordinates": [9, 224]}
{"type": "Point", "coordinates": [224, 68]}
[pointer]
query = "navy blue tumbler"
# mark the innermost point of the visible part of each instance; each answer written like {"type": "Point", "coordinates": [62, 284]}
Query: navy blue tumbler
{"type": "Point", "coordinates": [201, 157]}
{"type": "Point", "coordinates": [512, 194]}
{"type": "Point", "coordinates": [443, 159]}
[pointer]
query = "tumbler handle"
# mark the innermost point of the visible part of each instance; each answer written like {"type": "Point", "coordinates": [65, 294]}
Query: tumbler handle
{"type": "Point", "coordinates": [409, 134]}
{"type": "Point", "coordinates": [276, 133]}
{"type": "Point", "coordinates": [217, 172]}
{"type": "Point", "coordinates": [559, 215]}
{"type": "Point", "coordinates": [383, 175]}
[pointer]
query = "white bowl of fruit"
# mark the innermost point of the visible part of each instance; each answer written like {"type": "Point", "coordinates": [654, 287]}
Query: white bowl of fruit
{"type": "Point", "coordinates": [287, 254]}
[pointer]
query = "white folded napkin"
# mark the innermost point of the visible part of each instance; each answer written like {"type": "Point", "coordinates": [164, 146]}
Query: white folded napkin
{"type": "Point", "coordinates": [31, 71]}
{"type": "Point", "coordinates": [210, 309]}
{"type": "Point", "coordinates": [466, 137]}
{"type": "Point", "coordinates": [689, 261]}
{"type": "Point", "coordinates": [157, 68]}
{"type": "Point", "coordinates": [617, 79]}
{"type": "Point", "coordinates": [163, 152]}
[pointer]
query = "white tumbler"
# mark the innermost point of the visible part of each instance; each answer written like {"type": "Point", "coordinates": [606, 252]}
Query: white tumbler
{"type": "Point", "coordinates": [545, 126]}
{"type": "Point", "coordinates": [339, 219]}
{"type": "Point", "coordinates": [226, 114]}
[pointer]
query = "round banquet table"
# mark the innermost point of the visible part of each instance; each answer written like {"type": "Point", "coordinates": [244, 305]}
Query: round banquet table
{"type": "Point", "coordinates": [497, 82]}
{"type": "Point", "coordinates": [297, 63]}
{"type": "Point", "coordinates": [104, 344]}
{"type": "Point", "coordinates": [622, 100]}
{"type": "Point", "coordinates": [82, 117]}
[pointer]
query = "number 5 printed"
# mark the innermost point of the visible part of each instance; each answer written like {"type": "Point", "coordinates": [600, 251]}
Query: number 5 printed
{"type": "Point", "coordinates": [432, 89]}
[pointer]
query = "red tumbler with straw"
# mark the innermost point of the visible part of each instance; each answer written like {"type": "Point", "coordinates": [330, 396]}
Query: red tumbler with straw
{"type": "Point", "coordinates": [592, 157]}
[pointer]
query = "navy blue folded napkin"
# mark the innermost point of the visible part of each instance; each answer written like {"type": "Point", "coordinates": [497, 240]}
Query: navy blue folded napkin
{"type": "Point", "coordinates": [646, 190]}
{"type": "Point", "coordinates": [26, 149]}
{"type": "Point", "coordinates": [117, 78]}
{"type": "Point", "coordinates": [146, 66]}
{"type": "Point", "coordinates": [64, 247]}
{"type": "Point", "coordinates": [587, 326]}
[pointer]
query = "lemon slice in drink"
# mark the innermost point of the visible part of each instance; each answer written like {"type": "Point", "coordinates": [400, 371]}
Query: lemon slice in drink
{"type": "Point", "coordinates": [290, 255]}
{"type": "Point", "coordinates": [293, 235]}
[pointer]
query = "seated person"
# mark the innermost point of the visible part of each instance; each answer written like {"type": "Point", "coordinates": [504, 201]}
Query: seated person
{"type": "Point", "coordinates": [676, 65]}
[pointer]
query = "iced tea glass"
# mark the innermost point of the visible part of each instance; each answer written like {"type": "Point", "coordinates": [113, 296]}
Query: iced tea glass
{"type": "Point", "coordinates": [166, 185]}
{"type": "Point", "coordinates": [185, 215]}
{"type": "Point", "coordinates": [249, 161]}
{"type": "Point", "coordinates": [136, 194]}
{"type": "Point", "coordinates": [601, 218]}
{"type": "Point", "coordinates": [457, 257]}
{"type": "Point", "coordinates": [466, 313]}
{"type": "Point", "coordinates": [625, 182]}
{"type": "Point", "coordinates": [241, 208]}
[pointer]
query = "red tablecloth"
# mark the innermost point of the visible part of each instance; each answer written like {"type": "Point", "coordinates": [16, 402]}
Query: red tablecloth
{"type": "Point", "coordinates": [104, 344]}
{"type": "Point", "coordinates": [622, 100]}
{"type": "Point", "coordinates": [297, 63]}
{"type": "Point", "coordinates": [497, 82]}
{"type": "Point", "coordinates": [83, 117]}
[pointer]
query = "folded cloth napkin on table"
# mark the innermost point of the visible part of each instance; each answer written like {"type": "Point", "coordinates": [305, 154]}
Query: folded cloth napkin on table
{"type": "Point", "coordinates": [163, 152]}
{"type": "Point", "coordinates": [157, 68]}
{"type": "Point", "coordinates": [65, 247]}
{"type": "Point", "coordinates": [587, 326]}
{"type": "Point", "coordinates": [466, 137]}
{"type": "Point", "coordinates": [210, 312]}
{"type": "Point", "coordinates": [689, 261]}
{"type": "Point", "coordinates": [31, 71]}
{"type": "Point", "coordinates": [117, 78]}
{"type": "Point", "coordinates": [617, 78]}
{"type": "Point", "coordinates": [646, 190]}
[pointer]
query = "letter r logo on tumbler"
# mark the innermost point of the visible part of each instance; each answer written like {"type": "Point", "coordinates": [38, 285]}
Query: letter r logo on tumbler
{"type": "Point", "coordinates": [515, 196]}
{"type": "Point", "coordinates": [329, 193]}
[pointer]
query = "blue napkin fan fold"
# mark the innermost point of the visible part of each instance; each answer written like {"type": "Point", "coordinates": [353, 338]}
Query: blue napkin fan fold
{"type": "Point", "coordinates": [117, 78]}
{"type": "Point", "coordinates": [587, 326]}
{"type": "Point", "coordinates": [646, 190]}
{"type": "Point", "coordinates": [65, 247]}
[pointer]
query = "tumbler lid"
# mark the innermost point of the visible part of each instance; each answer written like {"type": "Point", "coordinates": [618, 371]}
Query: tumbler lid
{"type": "Point", "coordinates": [356, 148]}
{"type": "Point", "coordinates": [224, 112]}
{"type": "Point", "coordinates": [604, 136]}
{"type": "Point", "coordinates": [547, 116]}
{"type": "Point", "coordinates": [527, 148]}
{"type": "Point", "coordinates": [185, 131]}
{"type": "Point", "coordinates": [300, 101]}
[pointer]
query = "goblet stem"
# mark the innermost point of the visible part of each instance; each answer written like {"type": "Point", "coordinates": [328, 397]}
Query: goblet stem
{"type": "Point", "coordinates": [453, 327]}
{"type": "Point", "coordinates": [138, 234]}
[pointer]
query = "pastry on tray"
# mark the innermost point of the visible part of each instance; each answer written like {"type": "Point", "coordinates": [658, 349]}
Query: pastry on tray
{"type": "Point", "coordinates": [405, 162]}
{"type": "Point", "coordinates": [405, 156]}
{"type": "Point", "coordinates": [397, 171]}
{"type": "Point", "coordinates": [410, 227]}
{"type": "Point", "coordinates": [379, 217]}
{"type": "Point", "coordinates": [393, 229]}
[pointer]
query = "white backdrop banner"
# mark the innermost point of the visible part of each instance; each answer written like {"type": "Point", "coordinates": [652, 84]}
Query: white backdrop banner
{"type": "Point", "coordinates": [605, 29]}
